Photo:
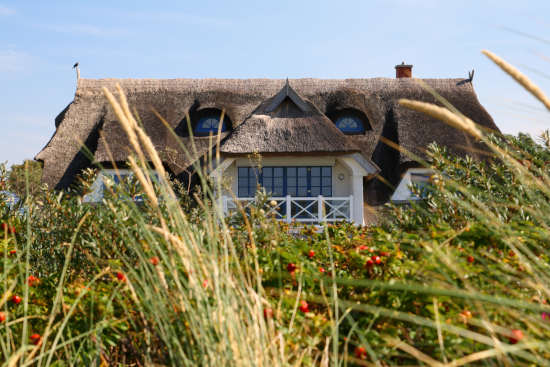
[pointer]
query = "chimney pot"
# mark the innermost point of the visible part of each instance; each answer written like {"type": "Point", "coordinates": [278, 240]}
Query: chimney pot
{"type": "Point", "coordinates": [403, 70]}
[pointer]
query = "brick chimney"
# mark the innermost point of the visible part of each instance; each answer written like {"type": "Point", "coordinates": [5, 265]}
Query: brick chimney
{"type": "Point", "coordinates": [403, 71]}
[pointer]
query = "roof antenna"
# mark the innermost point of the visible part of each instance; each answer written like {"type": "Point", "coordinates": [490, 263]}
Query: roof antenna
{"type": "Point", "coordinates": [75, 66]}
{"type": "Point", "coordinates": [471, 75]}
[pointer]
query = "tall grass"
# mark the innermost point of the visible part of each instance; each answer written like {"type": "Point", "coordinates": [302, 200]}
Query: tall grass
{"type": "Point", "coordinates": [191, 290]}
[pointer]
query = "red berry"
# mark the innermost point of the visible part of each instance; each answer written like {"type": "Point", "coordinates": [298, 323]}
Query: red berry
{"type": "Point", "coordinates": [369, 263]}
{"type": "Point", "coordinates": [268, 313]}
{"type": "Point", "coordinates": [291, 267]}
{"type": "Point", "coordinates": [2, 317]}
{"type": "Point", "coordinates": [363, 247]}
{"type": "Point", "coordinates": [154, 260]}
{"type": "Point", "coordinates": [12, 230]}
{"type": "Point", "coordinates": [12, 252]}
{"type": "Point", "coordinates": [120, 276]}
{"type": "Point", "coordinates": [35, 338]}
{"type": "Point", "coordinates": [360, 352]}
{"type": "Point", "coordinates": [511, 253]}
{"type": "Point", "coordinates": [32, 280]}
{"type": "Point", "coordinates": [384, 253]}
{"type": "Point", "coordinates": [516, 336]}
{"type": "Point", "coordinates": [4, 226]}
{"type": "Point", "coordinates": [471, 259]}
{"type": "Point", "coordinates": [304, 307]}
{"type": "Point", "coordinates": [16, 299]}
{"type": "Point", "coordinates": [377, 260]}
{"type": "Point", "coordinates": [321, 270]}
{"type": "Point", "coordinates": [310, 254]}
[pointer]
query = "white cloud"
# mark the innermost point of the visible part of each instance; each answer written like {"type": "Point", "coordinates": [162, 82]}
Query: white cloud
{"type": "Point", "coordinates": [5, 11]}
{"type": "Point", "coordinates": [13, 61]}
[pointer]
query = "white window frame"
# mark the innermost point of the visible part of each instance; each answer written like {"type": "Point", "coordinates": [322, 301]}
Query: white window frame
{"type": "Point", "coordinates": [403, 193]}
{"type": "Point", "coordinates": [96, 193]}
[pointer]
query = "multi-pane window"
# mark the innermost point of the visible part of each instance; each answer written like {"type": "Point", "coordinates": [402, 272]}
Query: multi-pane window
{"type": "Point", "coordinates": [282, 181]}
{"type": "Point", "coordinates": [248, 180]}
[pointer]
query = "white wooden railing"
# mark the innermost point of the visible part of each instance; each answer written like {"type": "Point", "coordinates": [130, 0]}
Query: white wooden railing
{"type": "Point", "coordinates": [300, 209]}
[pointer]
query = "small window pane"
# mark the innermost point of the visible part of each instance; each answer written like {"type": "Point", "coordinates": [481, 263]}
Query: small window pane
{"type": "Point", "coordinates": [267, 172]}
{"type": "Point", "coordinates": [315, 171]}
{"type": "Point", "coordinates": [302, 181]}
{"type": "Point", "coordinates": [315, 181]}
{"type": "Point", "coordinates": [278, 172]}
{"type": "Point", "coordinates": [291, 171]}
{"type": "Point", "coordinates": [327, 171]}
{"type": "Point", "coordinates": [291, 181]}
{"type": "Point", "coordinates": [326, 191]}
{"type": "Point", "coordinates": [291, 191]}
{"type": "Point", "coordinates": [302, 191]}
{"type": "Point", "coordinates": [315, 191]}
{"type": "Point", "coordinates": [327, 181]}
{"type": "Point", "coordinates": [243, 171]}
{"type": "Point", "coordinates": [302, 172]}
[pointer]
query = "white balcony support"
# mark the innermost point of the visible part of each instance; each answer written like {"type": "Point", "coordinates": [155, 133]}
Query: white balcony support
{"type": "Point", "coordinates": [357, 174]}
{"type": "Point", "coordinates": [288, 209]}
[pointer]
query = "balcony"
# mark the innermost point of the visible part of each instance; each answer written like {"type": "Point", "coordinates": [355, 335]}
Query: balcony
{"type": "Point", "coordinates": [318, 209]}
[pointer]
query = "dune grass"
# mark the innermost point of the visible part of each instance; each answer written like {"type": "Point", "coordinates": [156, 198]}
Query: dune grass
{"type": "Point", "coordinates": [463, 277]}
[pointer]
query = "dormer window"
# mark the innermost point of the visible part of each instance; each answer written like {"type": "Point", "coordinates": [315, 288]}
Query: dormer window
{"type": "Point", "coordinates": [350, 124]}
{"type": "Point", "coordinates": [209, 122]}
{"type": "Point", "coordinates": [350, 121]}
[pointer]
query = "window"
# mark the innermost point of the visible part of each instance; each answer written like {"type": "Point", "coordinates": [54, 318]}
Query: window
{"type": "Point", "coordinates": [350, 120]}
{"type": "Point", "coordinates": [418, 177]}
{"type": "Point", "coordinates": [350, 124]}
{"type": "Point", "coordinates": [248, 181]}
{"type": "Point", "coordinates": [209, 123]}
{"type": "Point", "coordinates": [281, 181]}
{"type": "Point", "coordinates": [116, 178]}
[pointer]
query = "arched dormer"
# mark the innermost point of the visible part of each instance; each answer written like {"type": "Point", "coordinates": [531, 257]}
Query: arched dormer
{"type": "Point", "coordinates": [350, 121]}
{"type": "Point", "coordinates": [207, 121]}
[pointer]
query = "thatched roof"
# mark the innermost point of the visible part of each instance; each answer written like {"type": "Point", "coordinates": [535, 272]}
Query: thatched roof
{"type": "Point", "coordinates": [286, 123]}
{"type": "Point", "coordinates": [89, 116]}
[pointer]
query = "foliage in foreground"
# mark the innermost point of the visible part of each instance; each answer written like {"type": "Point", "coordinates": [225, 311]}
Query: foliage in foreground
{"type": "Point", "coordinates": [459, 278]}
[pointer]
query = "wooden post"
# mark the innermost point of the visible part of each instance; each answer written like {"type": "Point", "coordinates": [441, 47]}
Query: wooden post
{"type": "Point", "coordinates": [320, 208]}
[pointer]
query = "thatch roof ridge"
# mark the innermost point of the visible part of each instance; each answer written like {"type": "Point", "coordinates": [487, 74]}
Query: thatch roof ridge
{"type": "Point", "coordinates": [253, 86]}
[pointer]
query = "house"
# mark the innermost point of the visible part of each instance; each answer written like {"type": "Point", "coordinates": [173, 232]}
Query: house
{"type": "Point", "coordinates": [322, 142]}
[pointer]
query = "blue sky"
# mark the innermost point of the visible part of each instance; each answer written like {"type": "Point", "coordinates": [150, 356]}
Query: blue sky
{"type": "Point", "coordinates": [41, 40]}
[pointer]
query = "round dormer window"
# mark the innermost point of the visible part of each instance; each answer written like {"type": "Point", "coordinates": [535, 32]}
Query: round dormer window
{"type": "Point", "coordinates": [350, 124]}
{"type": "Point", "coordinates": [210, 122]}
